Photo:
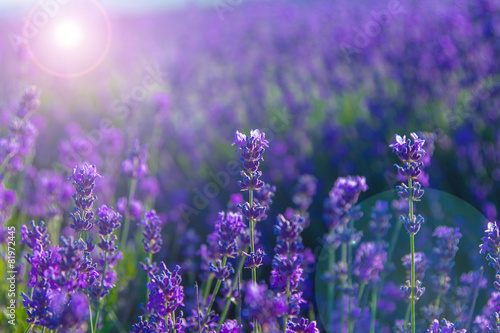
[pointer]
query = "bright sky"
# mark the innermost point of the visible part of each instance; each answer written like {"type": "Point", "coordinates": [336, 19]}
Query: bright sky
{"type": "Point", "coordinates": [19, 6]}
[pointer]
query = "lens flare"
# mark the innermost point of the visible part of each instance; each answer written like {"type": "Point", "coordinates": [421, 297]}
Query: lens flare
{"type": "Point", "coordinates": [68, 34]}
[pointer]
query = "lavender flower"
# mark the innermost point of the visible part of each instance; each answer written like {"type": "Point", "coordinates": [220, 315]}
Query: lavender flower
{"type": "Point", "coordinates": [369, 262]}
{"type": "Point", "coordinates": [303, 326]}
{"type": "Point", "coordinates": [339, 207]}
{"type": "Point", "coordinates": [305, 190]}
{"type": "Point", "coordinates": [229, 227]}
{"type": "Point", "coordinates": [251, 149]}
{"type": "Point", "coordinates": [254, 259]}
{"type": "Point", "coordinates": [446, 248]}
{"type": "Point", "coordinates": [379, 223]}
{"type": "Point", "coordinates": [221, 272]}
{"type": "Point", "coordinates": [165, 292]}
{"type": "Point", "coordinates": [421, 265]}
{"type": "Point", "coordinates": [84, 184]}
{"type": "Point", "coordinates": [264, 198]}
{"type": "Point", "coordinates": [135, 166]}
{"type": "Point", "coordinates": [446, 327]}
{"type": "Point", "coordinates": [8, 199]}
{"type": "Point", "coordinates": [263, 306]}
{"type": "Point", "coordinates": [152, 239]}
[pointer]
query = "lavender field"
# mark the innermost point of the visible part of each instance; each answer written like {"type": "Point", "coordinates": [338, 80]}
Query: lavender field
{"type": "Point", "coordinates": [250, 166]}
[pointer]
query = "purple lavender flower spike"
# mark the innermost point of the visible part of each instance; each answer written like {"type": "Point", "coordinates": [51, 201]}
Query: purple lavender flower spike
{"type": "Point", "coordinates": [305, 190]}
{"type": "Point", "coordinates": [369, 262]}
{"type": "Point", "coordinates": [303, 326]}
{"type": "Point", "coordinates": [419, 290]}
{"type": "Point", "coordinates": [254, 260]}
{"type": "Point", "coordinates": [340, 206]}
{"type": "Point", "coordinates": [84, 198]}
{"type": "Point", "coordinates": [221, 272]}
{"type": "Point", "coordinates": [445, 327]}
{"type": "Point", "coordinates": [446, 248]}
{"type": "Point", "coordinates": [251, 149]}
{"type": "Point", "coordinates": [165, 291]}
{"type": "Point", "coordinates": [412, 226]}
{"type": "Point", "coordinates": [230, 326]}
{"type": "Point", "coordinates": [421, 265]}
{"type": "Point", "coordinates": [135, 166]}
{"type": "Point", "coordinates": [380, 217]}
{"type": "Point", "coordinates": [229, 227]}
{"type": "Point", "coordinates": [152, 239]}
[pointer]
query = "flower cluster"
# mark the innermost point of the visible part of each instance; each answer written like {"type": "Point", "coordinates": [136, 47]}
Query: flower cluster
{"type": "Point", "coordinates": [84, 183]}
{"type": "Point", "coordinates": [60, 276]}
{"type": "Point", "coordinates": [8, 199]}
{"type": "Point", "coordinates": [22, 133]}
{"type": "Point", "coordinates": [135, 166]}
{"type": "Point", "coordinates": [340, 205]}
{"type": "Point", "coordinates": [445, 327]}
{"type": "Point", "coordinates": [446, 248]}
{"type": "Point", "coordinates": [380, 219]}
{"type": "Point", "coordinates": [152, 225]}
{"type": "Point", "coordinates": [369, 262]}
{"type": "Point", "coordinates": [165, 295]}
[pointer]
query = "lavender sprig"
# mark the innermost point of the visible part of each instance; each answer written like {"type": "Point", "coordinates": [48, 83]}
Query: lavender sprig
{"type": "Point", "coordinates": [411, 157]}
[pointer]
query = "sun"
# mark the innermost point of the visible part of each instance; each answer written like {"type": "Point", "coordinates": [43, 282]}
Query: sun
{"type": "Point", "coordinates": [67, 34]}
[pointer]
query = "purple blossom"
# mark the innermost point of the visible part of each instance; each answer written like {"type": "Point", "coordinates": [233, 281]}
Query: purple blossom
{"type": "Point", "coordinates": [165, 291]}
{"type": "Point", "coordinates": [264, 197]}
{"type": "Point", "coordinates": [445, 327]}
{"type": "Point", "coordinates": [230, 326]}
{"type": "Point", "coordinates": [135, 166]}
{"type": "Point", "coordinates": [339, 207]}
{"type": "Point", "coordinates": [407, 152]}
{"type": "Point", "coordinates": [251, 148]}
{"type": "Point", "coordinates": [419, 290]}
{"type": "Point", "coordinates": [254, 260]}
{"type": "Point", "coordinates": [421, 265]}
{"type": "Point", "coordinates": [229, 227]}
{"type": "Point", "coordinates": [446, 248]}
{"type": "Point", "coordinates": [84, 184]}
{"type": "Point", "coordinates": [305, 190]}
{"type": "Point", "coordinates": [379, 223]}
{"type": "Point", "coordinates": [303, 326]}
{"type": "Point", "coordinates": [288, 240]}
{"type": "Point", "coordinates": [152, 239]}
{"type": "Point", "coordinates": [286, 270]}
{"type": "Point", "coordinates": [413, 225]}
{"type": "Point", "coordinates": [262, 305]}
{"type": "Point", "coordinates": [369, 262]}
{"type": "Point", "coordinates": [109, 220]}
{"type": "Point", "coordinates": [221, 272]}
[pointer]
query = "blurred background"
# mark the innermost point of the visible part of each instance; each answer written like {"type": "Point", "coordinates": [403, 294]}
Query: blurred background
{"type": "Point", "coordinates": [330, 82]}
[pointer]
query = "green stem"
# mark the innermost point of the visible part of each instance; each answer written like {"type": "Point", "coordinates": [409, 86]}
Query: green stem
{"type": "Point", "coordinates": [407, 316]}
{"type": "Point", "coordinates": [252, 245]}
{"type": "Point", "coordinates": [331, 289]}
{"type": "Point", "coordinates": [440, 293]}
{"type": "Point", "coordinates": [126, 226]}
{"type": "Point", "coordinates": [361, 290]}
{"type": "Point", "coordinates": [91, 324]}
{"type": "Point", "coordinates": [214, 295]}
{"type": "Point", "coordinates": [373, 309]}
{"type": "Point", "coordinates": [285, 318]}
{"type": "Point", "coordinates": [102, 281]}
{"type": "Point", "coordinates": [412, 246]}
{"type": "Point", "coordinates": [412, 296]}
{"type": "Point", "coordinates": [474, 299]}
{"type": "Point", "coordinates": [228, 300]}
{"type": "Point", "coordinates": [208, 286]}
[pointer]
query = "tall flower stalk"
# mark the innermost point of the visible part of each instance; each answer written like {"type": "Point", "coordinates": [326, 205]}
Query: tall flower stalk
{"type": "Point", "coordinates": [411, 157]}
{"type": "Point", "coordinates": [251, 149]}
